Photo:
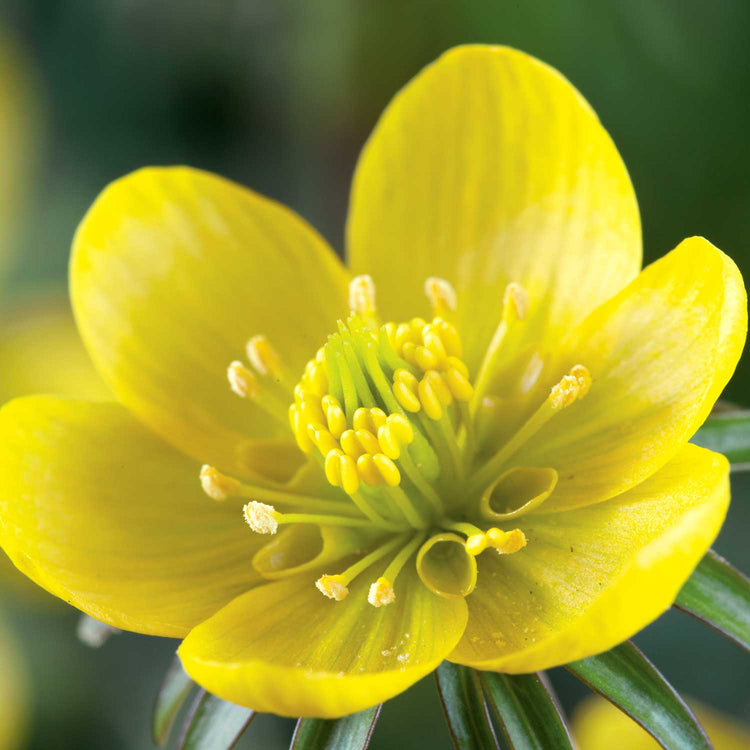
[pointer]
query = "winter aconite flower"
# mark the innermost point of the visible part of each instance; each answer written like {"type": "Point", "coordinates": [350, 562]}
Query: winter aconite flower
{"type": "Point", "coordinates": [472, 445]}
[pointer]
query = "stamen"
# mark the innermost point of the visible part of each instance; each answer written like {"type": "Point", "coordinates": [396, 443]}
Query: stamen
{"type": "Point", "coordinates": [441, 294]}
{"type": "Point", "coordinates": [216, 485]}
{"type": "Point", "coordinates": [477, 541]}
{"type": "Point", "coordinates": [381, 592]}
{"type": "Point", "coordinates": [362, 296]}
{"type": "Point", "coordinates": [515, 307]}
{"type": "Point", "coordinates": [220, 487]}
{"type": "Point", "coordinates": [333, 587]}
{"type": "Point", "coordinates": [265, 519]}
{"type": "Point", "coordinates": [261, 518]}
{"type": "Point", "coordinates": [573, 386]}
{"type": "Point", "coordinates": [263, 357]}
{"type": "Point", "coordinates": [242, 381]}
{"type": "Point", "coordinates": [337, 586]}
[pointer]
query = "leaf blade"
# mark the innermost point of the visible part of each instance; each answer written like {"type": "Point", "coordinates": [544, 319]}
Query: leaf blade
{"type": "Point", "coordinates": [719, 595]}
{"type": "Point", "coordinates": [465, 707]}
{"type": "Point", "coordinates": [172, 693]}
{"type": "Point", "coordinates": [527, 710]}
{"type": "Point", "coordinates": [348, 733]}
{"type": "Point", "coordinates": [214, 724]}
{"type": "Point", "coordinates": [625, 677]}
{"type": "Point", "coordinates": [727, 433]}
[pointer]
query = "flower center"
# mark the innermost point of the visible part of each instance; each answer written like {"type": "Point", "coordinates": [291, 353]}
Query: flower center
{"type": "Point", "coordinates": [389, 413]}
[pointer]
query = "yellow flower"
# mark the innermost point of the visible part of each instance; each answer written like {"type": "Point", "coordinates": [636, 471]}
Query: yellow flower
{"type": "Point", "coordinates": [598, 724]}
{"type": "Point", "coordinates": [488, 456]}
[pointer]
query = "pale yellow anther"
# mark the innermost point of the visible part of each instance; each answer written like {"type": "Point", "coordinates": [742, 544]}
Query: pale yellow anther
{"type": "Point", "coordinates": [531, 373]}
{"type": "Point", "coordinates": [368, 441]}
{"type": "Point", "coordinates": [350, 444]}
{"type": "Point", "coordinates": [449, 336]}
{"type": "Point", "coordinates": [515, 301]}
{"type": "Point", "coordinates": [315, 378]}
{"type": "Point", "coordinates": [506, 542]}
{"type": "Point", "coordinates": [395, 433]}
{"type": "Point", "coordinates": [263, 357]}
{"type": "Point", "coordinates": [429, 399]}
{"type": "Point", "coordinates": [573, 386]}
{"type": "Point", "coordinates": [388, 470]}
{"type": "Point", "coordinates": [335, 418]}
{"type": "Point", "coordinates": [583, 376]}
{"type": "Point", "coordinates": [216, 485]}
{"type": "Point", "coordinates": [433, 342]}
{"type": "Point", "coordinates": [323, 440]}
{"type": "Point", "coordinates": [362, 295]}
{"type": "Point", "coordinates": [369, 419]}
{"type": "Point", "coordinates": [424, 358]}
{"type": "Point", "coordinates": [458, 384]}
{"type": "Point", "coordinates": [405, 389]}
{"type": "Point", "coordinates": [441, 294]}
{"type": "Point", "coordinates": [367, 470]}
{"type": "Point", "coordinates": [439, 387]}
{"type": "Point", "coordinates": [261, 518]}
{"type": "Point", "coordinates": [381, 593]}
{"type": "Point", "coordinates": [409, 352]}
{"type": "Point", "coordinates": [299, 429]}
{"type": "Point", "coordinates": [476, 544]}
{"type": "Point", "coordinates": [242, 381]}
{"type": "Point", "coordinates": [341, 471]}
{"type": "Point", "coordinates": [333, 587]}
{"type": "Point", "coordinates": [417, 325]}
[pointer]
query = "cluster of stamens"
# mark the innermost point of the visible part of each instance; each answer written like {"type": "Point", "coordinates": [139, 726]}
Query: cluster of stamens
{"type": "Point", "coordinates": [387, 412]}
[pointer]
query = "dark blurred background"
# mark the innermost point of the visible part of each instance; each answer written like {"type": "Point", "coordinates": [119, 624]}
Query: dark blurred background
{"type": "Point", "coordinates": [280, 96]}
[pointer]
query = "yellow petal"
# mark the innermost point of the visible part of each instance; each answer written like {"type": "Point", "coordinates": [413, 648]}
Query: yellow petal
{"type": "Point", "coordinates": [173, 270]}
{"type": "Point", "coordinates": [598, 724]}
{"type": "Point", "coordinates": [490, 168]}
{"type": "Point", "coordinates": [103, 514]}
{"type": "Point", "coordinates": [592, 577]}
{"type": "Point", "coordinates": [285, 649]}
{"type": "Point", "coordinates": [41, 350]}
{"type": "Point", "coordinates": [659, 353]}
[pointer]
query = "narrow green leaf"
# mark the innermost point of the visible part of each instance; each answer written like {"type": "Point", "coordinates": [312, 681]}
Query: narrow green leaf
{"type": "Point", "coordinates": [348, 733]}
{"type": "Point", "coordinates": [172, 693]}
{"type": "Point", "coordinates": [719, 595]}
{"type": "Point", "coordinates": [625, 676]}
{"type": "Point", "coordinates": [214, 724]}
{"type": "Point", "coordinates": [528, 711]}
{"type": "Point", "coordinates": [727, 433]}
{"type": "Point", "coordinates": [465, 707]}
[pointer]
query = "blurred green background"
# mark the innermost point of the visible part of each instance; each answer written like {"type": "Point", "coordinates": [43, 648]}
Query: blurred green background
{"type": "Point", "coordinates": [280, 96]}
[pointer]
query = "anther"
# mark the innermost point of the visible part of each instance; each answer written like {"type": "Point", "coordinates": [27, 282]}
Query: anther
{"type": "Point", "coordinates": [573, 386]}
{"type": "Point", "coordinates": [506, 542]}
{"type": "Point", "coordinates": [381, 593]}
{"type": "Point", "coordinates": [217, 485]}
{"type": "Point", "coordinates": [261, 518]}
{"type": "Point", "coordinates": [333, 587]}
{"type": "Point", "coordinates": [242, 381]}
{"type": "Point", "coordinates": [515, 301]}
{"type": "Point", "coordinates": [362, 295]}
{"type": "Point", "coordinates": [263, 357]}
{"type": "Point", "coordinates": [441, 294]}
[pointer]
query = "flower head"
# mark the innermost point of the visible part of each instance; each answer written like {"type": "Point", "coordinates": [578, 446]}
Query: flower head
{"type": "Point", "coordinates": [472, 447]}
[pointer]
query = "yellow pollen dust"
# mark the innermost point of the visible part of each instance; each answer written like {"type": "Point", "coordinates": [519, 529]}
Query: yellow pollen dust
{"type": "Point", "coordinates": [573, 386]}
{"type": "Point", "coordinates": [381, 593]}
{"type": "Point", "coordinates": [261, 518]}
{"type": "Point", "coordinates": [333, 587]}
